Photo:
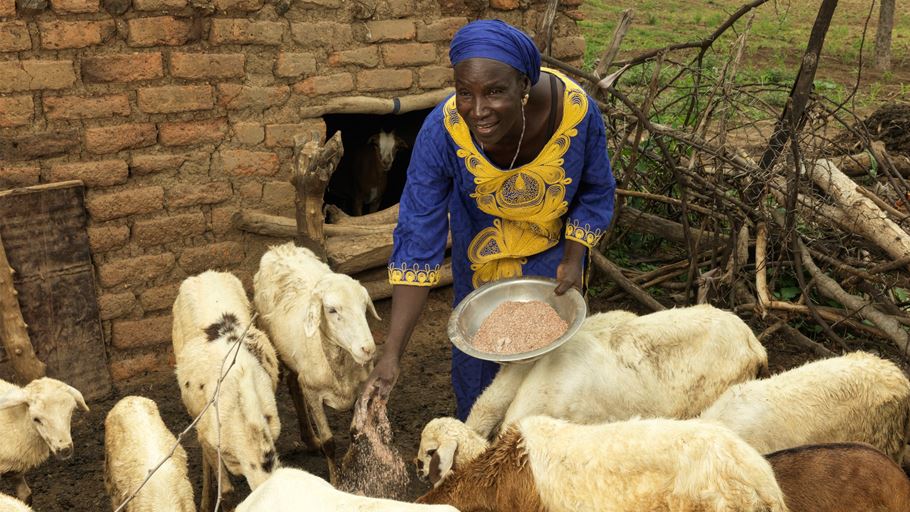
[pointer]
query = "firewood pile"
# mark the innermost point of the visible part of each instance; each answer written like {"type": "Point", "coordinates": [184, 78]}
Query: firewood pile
{"type": "Point", "coordinates": [776, 202]}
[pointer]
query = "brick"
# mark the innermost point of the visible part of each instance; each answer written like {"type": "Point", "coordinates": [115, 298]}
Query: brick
{"type": "Point", "coordinates": [223, 219]}
{"type": "Point", "coordinates": [214, 192]}
{"type": "Point", "coordinates": [282, 135]}
{"type": "Point", "coordinates": [440, 30]}
{"type": "Point", "coordinates": [103, 173]}
{"type": "Point", "coordinates": [158, 5]}
{"type": "Point", "coordinates": [16, 111]}
{"type": "Point", "coordinates": [278, 194]}
{"type": "Point", "coordinates": [134, 270]}
{"type": "Point", "coordinates": [238, 97]}
{"type": "Point", "coordinates": [206, 65]}
{"type": "Point", "coordinates": [197, 162]}
{"type": "Point", "coordinates": [35, 75]}
{"type": "Point", "coordinates": [408, 54]}
{"type": "Point", "coordinates": [400, 8]}
{"type": "Point", "coordinates": [213, 256]}
{"type": "Point", "coordinates": [159, 297]}
{"type": "Point", "coordinates": [293, 65]}
{"type": "Point", "coordinates": [504, 5]}
{"type": "Point", "coordinates": [331, 4]}
{"type": "Point", "coordinates": [322, 33]}
{"type": "Point", "coordinates": [390, 30]}
{"type": "Point", "coordinates": [251, 191]}
{"type": "Point", "coordinates": [432, 77]}
{"type": "Point", "coordinates": [162, 31]}
{"type": "Point", "coordinates": [106, 238]}
{"type": "Point", "coordinates": [58, 35]}
{"type": "Point", "coordinates": [249, 133]}
{"type": "Point", "coordinates": [115, 205]}
{"type": "Point", "coordinates": [238, 5]}
{"type": "Point", "coordinates": [126, 67]}
{"type": "Point", "coordinates": [132, 365]}
{"type": "Point", "coordinates": [367, 57]}
{"type": "Point", "coordinates": [86, 107]}
{"type": "Point", "coordinates": [211, 131]}
{"type": "Point", "coordinates": [568, 47]}
{"type": "Point", "coordinates": [116, 305]}
{"type": "Point", "coordinates": [75, 6]}
{"type": "Point", "coordinates": [19, 176]}
{"type": "Point", "coordinates": [168, 229]}
{"type": "Point", "coordinates": [141, 333]}
{"type": "Point", "coordinates": [32, 146]}
{"type": "Point", "coordinates": [325, 84]}
{"type": "Point", "coordinates": [7, 8]}
{"type": "Point", "coordinates": [14, 36]}
{"type": "Point", "coordinates": [240, 162]}
{"type": "Point", "coordinates": [175, 99]}
{"type": "Point", "coordinates": [143, 165]}
{"type": "Point", "coordinates": [110, 139]}
{"type": "Point", "coordinates": [240, 31]}
{"type": "Point", "coordinates": [384, 79]}
{"type": "Point", "coordinates": [116, 7]}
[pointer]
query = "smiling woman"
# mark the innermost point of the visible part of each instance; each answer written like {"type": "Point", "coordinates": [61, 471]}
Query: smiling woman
{"type": "Point", "coordinates": [516, 165]}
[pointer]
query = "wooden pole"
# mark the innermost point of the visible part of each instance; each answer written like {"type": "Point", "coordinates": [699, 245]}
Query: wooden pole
{"type": "Point", "coordinates": [13, 333]}
{"type": "Point", "coordinates": [313, 169]}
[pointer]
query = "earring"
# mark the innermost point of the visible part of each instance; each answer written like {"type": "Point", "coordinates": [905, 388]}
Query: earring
{"type": "Point", "coordinates": [524, 100]}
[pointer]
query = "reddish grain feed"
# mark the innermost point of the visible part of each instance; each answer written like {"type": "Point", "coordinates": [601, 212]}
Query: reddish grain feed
{"type": "Point", "coordinates": [515, 327]}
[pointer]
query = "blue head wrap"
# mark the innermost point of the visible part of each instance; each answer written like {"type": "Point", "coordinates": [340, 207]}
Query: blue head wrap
{"type": "Point", "coordinates": [497, 40]}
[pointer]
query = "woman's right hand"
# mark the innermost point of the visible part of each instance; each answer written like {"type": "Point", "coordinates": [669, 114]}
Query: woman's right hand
{"type": "Point", "coordinates": [377, 387]}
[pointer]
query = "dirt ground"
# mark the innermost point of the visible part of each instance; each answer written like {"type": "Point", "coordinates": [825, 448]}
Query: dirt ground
{"type": "Point", "coordinates": [423, 392]}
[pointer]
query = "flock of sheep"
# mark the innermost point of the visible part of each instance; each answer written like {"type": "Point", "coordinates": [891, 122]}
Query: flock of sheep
{"type": "Point", "coordinates": [672, 411]}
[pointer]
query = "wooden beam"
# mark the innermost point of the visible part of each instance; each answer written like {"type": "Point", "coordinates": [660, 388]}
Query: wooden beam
{"type": "Point", "coordinates": [313, 168]}
{"type": "Point", "coordinates": [379, 106]}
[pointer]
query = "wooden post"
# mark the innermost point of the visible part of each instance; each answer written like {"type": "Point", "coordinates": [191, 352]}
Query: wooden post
{"type": "Point", "coordinates": [313, 169]}
{"type": "Point", "coordinates": [13, 333]}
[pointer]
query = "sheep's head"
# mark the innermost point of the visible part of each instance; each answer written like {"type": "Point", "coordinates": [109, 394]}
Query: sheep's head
{"type": "Point", "coordinates": [387, 144]}
{"type": "Point", "coordinates": [338, 308]}
{"type": "Point", "coordinates": [444, 443]}
{"type": "Point", "coordinates": [50, 404]}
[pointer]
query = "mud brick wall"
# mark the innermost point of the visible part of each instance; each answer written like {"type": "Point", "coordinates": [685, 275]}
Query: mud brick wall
{"type": "Point", "coordinates": [178, 113]}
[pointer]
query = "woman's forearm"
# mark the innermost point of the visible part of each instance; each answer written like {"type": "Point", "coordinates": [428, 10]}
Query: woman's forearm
{"type": "Point", "coordinates": [407, 304]}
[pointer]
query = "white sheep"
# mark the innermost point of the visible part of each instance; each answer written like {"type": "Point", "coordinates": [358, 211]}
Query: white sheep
{"type": "Point", "coordinates": [246, 423]}
{"type": "Point", "coordinates": [288, 489]}
{"type": "Point", "coordinates": [201, 302]}
{"type": "Point", "coordinates": [10, 504]}
{"type": "Point", "coordinates": [135, 442]}
{"type": "Point", "coordinates": [317, 321]}
{"type": "Point", "coordinates": [668, 364]}
{"type": "Point", "coordinates": [853, 398]}
{"type": "Point", "coordinates": [541, 463]}
{"type": "Point", "coordinates": [35, 422]}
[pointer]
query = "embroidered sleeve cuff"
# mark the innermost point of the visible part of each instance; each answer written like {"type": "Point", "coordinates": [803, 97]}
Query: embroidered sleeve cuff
{"type": "Point", "coordinates": [583, 234]}
{"type": "Point", "coordinates": [413, 275]}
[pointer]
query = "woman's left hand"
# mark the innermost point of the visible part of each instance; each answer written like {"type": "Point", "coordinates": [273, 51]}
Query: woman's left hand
{"type": "Point", "coordinates": [570, 272]}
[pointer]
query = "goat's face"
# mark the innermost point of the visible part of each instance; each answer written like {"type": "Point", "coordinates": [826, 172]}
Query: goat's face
{"type": "Point", "coordinates": [339, 308]}
{"type": "Point", "coordinates": [49, 404]}
{"type": "Point", "coordinates": [386, 145]}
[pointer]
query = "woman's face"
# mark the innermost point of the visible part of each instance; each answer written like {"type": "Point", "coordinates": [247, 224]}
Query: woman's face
{"type": "Point", "coordinates": [488, 96]}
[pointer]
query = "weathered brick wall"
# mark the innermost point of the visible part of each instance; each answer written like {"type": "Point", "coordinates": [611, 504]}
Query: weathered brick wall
{"type": "Point", "coordinates": [177, 113]}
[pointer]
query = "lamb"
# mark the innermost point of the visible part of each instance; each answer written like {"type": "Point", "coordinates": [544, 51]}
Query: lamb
{"type": "Point", "coordinates": [135, 442]}
{"type": "Point", "coordinates": [542, 463]}
{"type": "Point", "coordinates": [247, 410]}
{"type": "Point", "coordinates": [35, 422]}
{"type": "Point", "coordinates": [853, 398]}
{"type": "Point", "coordinates": [844, 477]}
{"type": "Point", "coordinates": [288, 488]}
{"type": "Point", "coordinates": [220, 292]}
{"type": "Point", "coordinates": [10, 504]}
{"type": "Point", "coordinates": [317, 320]}
{"type": "Point", "coordinates": [370, 169]}
{"type": "Point", "coordinates": [668, 364]}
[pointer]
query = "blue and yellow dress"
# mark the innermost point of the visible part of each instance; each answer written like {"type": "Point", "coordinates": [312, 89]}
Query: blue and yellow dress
{"type": "Point", "coordinates": [503, 223]}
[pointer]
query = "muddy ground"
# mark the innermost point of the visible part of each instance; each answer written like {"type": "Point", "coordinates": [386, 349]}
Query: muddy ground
{"type": "Point", "coordinates": [423, 392]}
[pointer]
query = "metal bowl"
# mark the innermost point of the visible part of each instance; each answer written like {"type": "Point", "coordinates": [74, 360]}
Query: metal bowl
{"type": "Point", "coordinates": [477, 306]}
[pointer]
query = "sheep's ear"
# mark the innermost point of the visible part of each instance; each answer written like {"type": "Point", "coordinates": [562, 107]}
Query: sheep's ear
{"type": "Point", "coordinates": [442, 461]}
{"type": "Point", "coordinates": [313, 315]}
{"type": "Point", "coordinates": [374, 139]}
{"type": "Point", "coordinates": [401, 143]}
{"type": "Point", "coordinates": [77, 396]}
{"type": "Point", "coordinates": [13, 398]}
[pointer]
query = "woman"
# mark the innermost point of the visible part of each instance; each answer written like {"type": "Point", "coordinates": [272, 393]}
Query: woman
{"type": "Point", "coordinates": [515, 164]}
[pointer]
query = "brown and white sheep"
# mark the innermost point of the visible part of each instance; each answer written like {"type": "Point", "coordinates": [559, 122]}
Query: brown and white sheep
{"type": "Point", "coordinates": [544, 464]}
{"type": "Point", "coordinates": [371, 166]}
{"type": "Point", "coordinates": [844, 477]}
{"type": "Point", "coordinates": [135, 442]}
{"type": "Point", "coordinates": [35, 422]}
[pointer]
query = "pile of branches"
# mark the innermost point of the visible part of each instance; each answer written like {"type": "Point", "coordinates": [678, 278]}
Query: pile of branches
{"type": "Point", "coordinates": [765, 199]}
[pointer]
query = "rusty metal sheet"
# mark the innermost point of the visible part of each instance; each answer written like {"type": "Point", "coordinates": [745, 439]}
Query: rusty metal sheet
{"type": "Point", "coordinates": [43, 232]}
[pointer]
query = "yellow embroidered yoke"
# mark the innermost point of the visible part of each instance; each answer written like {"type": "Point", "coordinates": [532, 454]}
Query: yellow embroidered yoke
{"type": "Point", "coordinates": [528, 201]}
